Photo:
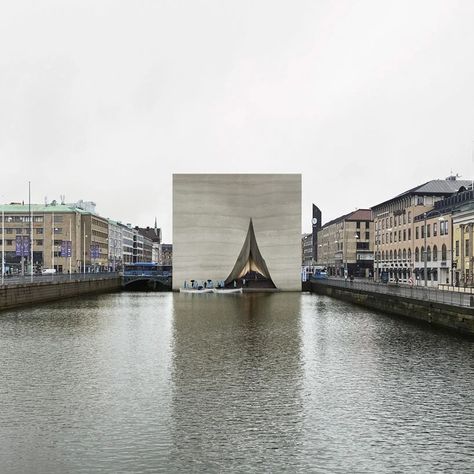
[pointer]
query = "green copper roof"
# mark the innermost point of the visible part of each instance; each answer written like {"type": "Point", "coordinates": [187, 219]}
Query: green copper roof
{"type": "Point", "coordinates": [41, 208]}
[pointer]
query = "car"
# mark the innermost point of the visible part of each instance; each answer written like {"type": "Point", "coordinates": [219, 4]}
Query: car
{"type": "Point", "coordinates": [48, 271]}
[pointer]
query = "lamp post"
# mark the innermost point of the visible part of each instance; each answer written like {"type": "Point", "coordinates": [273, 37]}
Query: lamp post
{"type": "Point", "coordinates": [84, 251]}
{"type": "Point", "coordinates": [425, 250]}
{"type": "Point", "coordinates": [3, 245]}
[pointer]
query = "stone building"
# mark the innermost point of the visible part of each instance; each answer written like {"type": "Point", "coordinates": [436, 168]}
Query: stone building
{"type": "Point", "coordinates": [60, 237]}
{"type": "Point", "coordinates": [463, 241]}
{"type": "Point", "coordinates": [346, 245]}
{"type": "Point", "coordinates": [396, 221]}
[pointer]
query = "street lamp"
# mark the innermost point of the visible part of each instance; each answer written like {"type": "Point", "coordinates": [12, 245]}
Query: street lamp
{"type": "Point", "coordinates": [425, 252]}
{"type": "Point", "coordinates": [84, 251]}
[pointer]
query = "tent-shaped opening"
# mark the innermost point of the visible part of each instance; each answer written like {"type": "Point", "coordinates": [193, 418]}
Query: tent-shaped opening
{"type": "Point", "coordinates": [250, 269]}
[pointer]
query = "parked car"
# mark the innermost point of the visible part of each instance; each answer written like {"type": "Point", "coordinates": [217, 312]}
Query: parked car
{"type": "Point", "coordinates": [48, 271]}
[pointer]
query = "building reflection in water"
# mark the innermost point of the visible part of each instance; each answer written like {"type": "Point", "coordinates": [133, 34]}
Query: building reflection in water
{"type": "Point", "coordinates": [236, 358]}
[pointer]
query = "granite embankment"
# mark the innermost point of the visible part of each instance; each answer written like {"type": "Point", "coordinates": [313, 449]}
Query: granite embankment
{"type": "Point", "coordinates": [22, 294]}
{"type": "Point", "coordinates": [436, 307]}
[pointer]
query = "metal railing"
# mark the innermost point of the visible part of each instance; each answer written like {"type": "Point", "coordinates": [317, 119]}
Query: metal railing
{"type": "Point", "coordinates": [447, 295]}
{"type": "Point", "coordinates": [57, 278]}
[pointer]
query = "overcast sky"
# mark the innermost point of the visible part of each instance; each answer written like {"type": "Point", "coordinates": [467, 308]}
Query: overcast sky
{"type": "Point", "coordinates": [104, 100]}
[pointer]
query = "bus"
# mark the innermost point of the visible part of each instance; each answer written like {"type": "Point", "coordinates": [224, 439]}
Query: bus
{"type": "Point", "coordinates": [147, 269]}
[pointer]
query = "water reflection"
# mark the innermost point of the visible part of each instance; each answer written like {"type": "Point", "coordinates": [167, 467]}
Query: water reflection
{"type": "Point", "coordinates": [237, 383]}
{"type": "Point", "coordinates": [147, 382]}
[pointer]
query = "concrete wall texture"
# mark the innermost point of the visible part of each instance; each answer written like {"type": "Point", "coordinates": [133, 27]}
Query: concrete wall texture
{"type": "Point", "coordinates": [211, 214]}
{"type": "Point", "coordinates": [12, 296]}
{"type": "Point", "coordinates": [460, 319]}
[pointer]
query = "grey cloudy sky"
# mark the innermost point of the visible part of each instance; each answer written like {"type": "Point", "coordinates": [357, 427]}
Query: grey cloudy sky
{"type": "Point", "coordinates": [104, 100]}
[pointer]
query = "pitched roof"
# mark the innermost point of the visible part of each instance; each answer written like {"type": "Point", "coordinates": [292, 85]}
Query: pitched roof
{"type": "Point", "coordinates": [358, 215]}
{"type": "Point", "coordinates": [440, 187]}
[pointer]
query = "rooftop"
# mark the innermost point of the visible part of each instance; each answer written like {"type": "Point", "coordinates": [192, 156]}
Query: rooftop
{"type": "Point", "coordinates": [435, 187]}
{"type": "Point", "coordinates": [40, 208]}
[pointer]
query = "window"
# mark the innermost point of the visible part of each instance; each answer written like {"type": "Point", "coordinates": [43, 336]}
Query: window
{"type": "Point", "coordinates": [38, 219]}
{"type": "Point", "coordinates": [399, 235]}
{"type": "Point", "coordinates": [367, 235]}
{"type": "Point", "coordinates": [404, 254]}
{"type": "Point", "coordinates": [9, 242]}
{"type": "Point", "coordinates": [404, 235]}
{"type": "Point", "coordinates": [409, 255]}
{"type": "Point", "coordinates": [391, 237]}
{"type": "Point", "coordinates": [19, 230]}
{"type": "Point", "coordinates": [422, 252]}
{"type": "Point", "coordinates": [9, 230]}
{"type": "Point", "coordinates": [39, 230]}
{"type": "Point", "coordinates": [395, 236]}
{"type": "Point", "coordinates": [457, 248]}
{"type": "Point", "coordinates": [422, 231]}
{"type": "Point", "coordinates": [362, 245]}
{"type": "Point", "coordinates": [404, 219]}
{"type": "Point", "coordinates": [443, 253]}
{"type": "Point", "coordinates": [409, 217]}
{"type": "Point", "coordinates": [409, 234]}
{"type": "Point", "coordinates": [58, 230]}
{"type": "Point", "coordinates": [428, 230]}
{"type": "Point", "coordinates": [39, 242]}
{"type": "Point", "coordinates": [417, 234]}
{"type": "Point", "coordinates": [391, 254]}
{"type": "Point", "coordinates": [58, 219]}
{"type": "Point", "coordinates": [435, 229]}
{"type": "Point", "coordinates": [428, 254]}
{"type": "Point", "coordinates": [466, 253]}
{"type": "Point", "coordinates": [383, 254]}
{"type": "Point", "coordinates": [435, 253]}
{"type": "Point", "coordinates": [391, 221]}
{"type": "Point", "coordinates": [399, 254]}
{"type": "Point", "coordinates": [358, 225]}
{"type": "Point", "coordinates": [417, 255]}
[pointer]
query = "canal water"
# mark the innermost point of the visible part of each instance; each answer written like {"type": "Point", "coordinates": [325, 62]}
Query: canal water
{"type": "Point", "coordinates": [161, 382]}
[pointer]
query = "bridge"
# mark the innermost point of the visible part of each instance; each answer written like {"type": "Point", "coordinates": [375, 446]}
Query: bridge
{"type": "Point", "coordinates": [146, 276]}
{"type": "Point", "coordinates": [147, 283]}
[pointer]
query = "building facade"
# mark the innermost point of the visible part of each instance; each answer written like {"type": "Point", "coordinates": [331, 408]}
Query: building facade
{"type": "Point", "coordinates": [307, 250]}
{"type": "Point", "coordinates": [463, 244]}
{"type": "Point", "coordinates": [346, 245]}
{"type": "Point", "coordinates": [397, 238]}
{"type": "Point", "coordinates": [222, 222]}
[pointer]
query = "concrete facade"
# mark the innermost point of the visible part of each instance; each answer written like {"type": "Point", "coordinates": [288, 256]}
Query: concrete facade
{"type": "Point", "coordinates": [211, 214]}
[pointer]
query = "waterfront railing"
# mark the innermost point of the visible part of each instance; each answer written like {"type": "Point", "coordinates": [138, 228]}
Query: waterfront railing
{"type": "Point", "coordinates": [447, 295]}
{"type": "Point", "coordinates": [57, 278]}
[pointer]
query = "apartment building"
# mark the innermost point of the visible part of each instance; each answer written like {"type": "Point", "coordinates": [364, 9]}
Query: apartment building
{"type": "Point", "coordinates": [345, 244]}
{"type": "Point", "coordinates": [463, 242]}
{"type": "Point", "coordinates": [397, 239]}
{"type": "Point", "coordinates": [40, 236]}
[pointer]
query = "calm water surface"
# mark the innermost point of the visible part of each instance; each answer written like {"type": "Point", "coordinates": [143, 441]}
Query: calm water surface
{"type": "Point", "coordinates": [150, 382]}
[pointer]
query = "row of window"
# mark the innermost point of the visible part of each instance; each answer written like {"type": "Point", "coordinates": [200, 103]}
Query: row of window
{"type": "Point", "coordinates": [22, 219]}
{"type": "Point", "coordinates": [443, 230]}
{"type": "Point", "coordinates": [431, 254]}
{"type": "Point", "coordinates": [392, 221]}
{"type": "Point", "coordinates": [21, 230]}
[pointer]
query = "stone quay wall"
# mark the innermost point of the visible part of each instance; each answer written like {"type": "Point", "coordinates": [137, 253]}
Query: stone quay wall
{"type": "Point", "coordinates": [459, 318]}
{"type": "Point", "coordinates": [12, 296]}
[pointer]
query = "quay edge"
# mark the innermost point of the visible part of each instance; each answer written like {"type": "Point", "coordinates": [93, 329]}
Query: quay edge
{"type": "Point", "coordinates": [458, 318]}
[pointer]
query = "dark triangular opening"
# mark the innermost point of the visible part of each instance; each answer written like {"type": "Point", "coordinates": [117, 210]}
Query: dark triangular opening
{"type": "Point", "coordinates": [250, 269]}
